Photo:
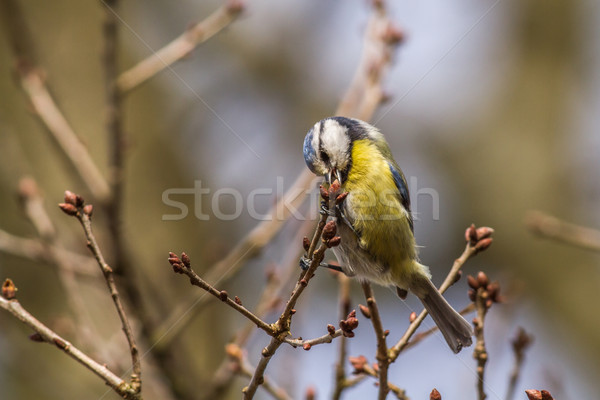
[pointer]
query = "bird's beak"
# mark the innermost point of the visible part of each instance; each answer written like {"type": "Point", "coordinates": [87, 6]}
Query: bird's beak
{"type": "Point", "coordinates": [334, 174]}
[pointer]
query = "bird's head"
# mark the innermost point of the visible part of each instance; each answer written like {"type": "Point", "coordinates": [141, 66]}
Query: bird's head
{"type": "Point", "coordinates": [328, 145]}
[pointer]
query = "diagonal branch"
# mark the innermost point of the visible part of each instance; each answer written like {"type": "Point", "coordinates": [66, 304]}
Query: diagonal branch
{"type": "Point", "coordinates": [33, 84]}
{"type": "Point", "coordinates": [553, 228]}
{"type": "Point", "coordinates": [45, 334]}
{"type": "Point", "coordinates": [477, 240]}
{"type": "Point", "coordinates": [180, 47]}
{"type": "Point", "coordinates": [74, 206]}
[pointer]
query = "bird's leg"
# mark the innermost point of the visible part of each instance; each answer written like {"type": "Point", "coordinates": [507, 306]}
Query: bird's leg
{"type": "Point", "coordinates": [305, 263]}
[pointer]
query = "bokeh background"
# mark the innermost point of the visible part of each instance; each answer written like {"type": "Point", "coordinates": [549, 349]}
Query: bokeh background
{"type": "Point", "coordinates": [493, 112]}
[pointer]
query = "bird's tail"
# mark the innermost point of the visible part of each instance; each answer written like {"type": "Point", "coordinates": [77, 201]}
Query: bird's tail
{"type": "Point", "coordinates": [456, 330]}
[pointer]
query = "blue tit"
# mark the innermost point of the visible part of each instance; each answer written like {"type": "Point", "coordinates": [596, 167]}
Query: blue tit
{"type": "Point", "coordinates": [374, 221]}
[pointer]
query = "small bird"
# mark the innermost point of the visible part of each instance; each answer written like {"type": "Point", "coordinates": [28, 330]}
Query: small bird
{"type": "Point", "coordinates": [374, 221]}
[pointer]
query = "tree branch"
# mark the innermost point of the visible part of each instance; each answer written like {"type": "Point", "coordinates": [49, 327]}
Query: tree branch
{"type": "Point", "coordinates": [74, 206]}
{"type": "Point", "coordinates": [45, 334]}
{"type": "Point", "coordinates": [180, 47]}
{"type": "Point", "coordinates": [32, 81]}
{"type": "Point", "coordinates": [477, 240]}
{"type": "Point", "coordinates": [382, 350]}
{"type": "Point", "coordinates": [553, 228]}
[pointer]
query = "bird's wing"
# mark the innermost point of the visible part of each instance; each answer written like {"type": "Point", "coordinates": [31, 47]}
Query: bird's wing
{"type": "Point", "coordinates": [400, 182]}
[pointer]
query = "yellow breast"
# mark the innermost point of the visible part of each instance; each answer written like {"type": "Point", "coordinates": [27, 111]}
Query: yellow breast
{"type": "Point", "coordinates": [374, 205]}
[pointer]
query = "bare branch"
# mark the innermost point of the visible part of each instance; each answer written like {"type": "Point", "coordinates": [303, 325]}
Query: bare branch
{"type": "Point", "coordinates": [183, 266]}
{"type": "Point", "coordinates": [519, 345]}
{"type": "Point", "coordinates": [32, 81]}
{"type": "Point", "coordinates": [180, 47]}
{"type": "Point", "coordinates": [477, 240]}
{"type": "Point", "coordinates": [553, 228]}
{"type": "Point", "coordinates": [74, 206]}
{"type": "Point", "coordinates": [341, 382]}
{"type": "Point", "coordinates": [382, 349]}
{"type": "Point", "coordinates": [45, 334]}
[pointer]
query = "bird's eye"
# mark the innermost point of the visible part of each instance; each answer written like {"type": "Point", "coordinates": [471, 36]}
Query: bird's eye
{"type": "Point", "coordinates": [324, 157]}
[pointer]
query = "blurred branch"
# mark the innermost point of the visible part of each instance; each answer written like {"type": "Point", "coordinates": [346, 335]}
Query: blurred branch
{"type": "Point", "coordinates": [383, 360]}
{"type": "Point", "coordinates": [242, 367]}
{"type": "Point", "coordinates": [32, 80]}
{"type": "Point", "coordinates": [477, 240]}
{"type": "Point", "coordinates": [550, 227]}
{"type": "Point", "coordinates": [380, 40]}
{"type": "Point", "coordinates": [520, 344]}
{"type": "Point", "coordinates": [35, 250]}
{"type": "Point", "coordinates": [74, 206]}
{"type": "Point", "coordinates": [362, 368]}
{"type": "Point", "coordinates": [180, 47]}
{"type": "Point", "coordinates": [44, 334]}
{"type": "Point", "coordinates": [33, 205]}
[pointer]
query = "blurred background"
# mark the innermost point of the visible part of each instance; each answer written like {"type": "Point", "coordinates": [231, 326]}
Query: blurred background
{"type": "Point", "coordinates": [493, 112]}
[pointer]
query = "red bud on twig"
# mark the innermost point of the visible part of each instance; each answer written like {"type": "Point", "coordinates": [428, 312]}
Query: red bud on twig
{"type": "Point", "coordinates": [9, 290]}
{"type": "Point", "coordinates": [435, 395]}
{"type": "Point", "coordinates": [68, 209]}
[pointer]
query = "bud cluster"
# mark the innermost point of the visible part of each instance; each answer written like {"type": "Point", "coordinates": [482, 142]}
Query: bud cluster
{"type": "Point", "coordinates": [179, 264]}
{"type": "Point", "coordinates": [480, 238]}
{"type": "Point", "coordinates": [490, 291]}
{"type": "Point", "coordinates": [349, 324]}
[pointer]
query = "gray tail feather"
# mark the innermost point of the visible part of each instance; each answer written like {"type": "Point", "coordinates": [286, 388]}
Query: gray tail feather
{"type": "Point", "coordinates": [456, 330]}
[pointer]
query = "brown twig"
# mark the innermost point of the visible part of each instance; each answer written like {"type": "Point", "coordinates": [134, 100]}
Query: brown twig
{"type": "Point", "coordinates": [477, 240]}
{"type": "Point", "coordinates": [36, 250]}
{"type": "Point", "coordinates": [520, 344]}
{"type": "Point", "coordinates": [383, 360]}
{"type": "Point", "coordinates": [242, 367]}
{"type": "Point", "coordinates": [553, 228]}
{"type": "Point", "coordinates": [483, 294]}
{"type": "Point", "coordinates": [74, 205]}
{"type": "Point", "coordinates": [183, 266]}
{"type": "Point", "coordinates": [33, 206]}
{"type": "Point", "coordinates": [32, 79]}
{"type": "Point", "coordinates": [44, 334]}
{"type": "Point", "coordinates": [341, 382]}
{"type": "Point", "coordinates": [180, 47]}
{"type": "Point", "coordinates": [362, 368]}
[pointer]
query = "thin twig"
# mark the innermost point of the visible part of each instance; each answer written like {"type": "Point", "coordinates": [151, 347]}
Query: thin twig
{"type": "Point", "coordinates": [553, 228]}
{"type": "Point", "coordinates": [249, 247]}
{"type": "Point", "coordinates": [13, 306]}
{"type": "Point", "coordinates": [283, 323]}
{"type": "Point", "coordinates": [32, 80]}
{"type": "Point", "coordinates": [480, 352]}
{"type": "Point", "coordinates": [382, 349]}
{"type": "Point", "coordinates": [242, 367]}
{"type": "Point", "coordinates": [74, 206]}
{"type": "Point", "coordinates": [36, 250]}
{"type": "Point", "coordinates": [477, 240]}
{"type": "Point", "coordinates": [180, 47]}
{"type": "Point", "coordinates": [364, 369]}
{"type": "Point", "coordinates": [519, 345]}
{"type": "Point", "coordinates": [35, 211]}
{"type": "Point", "coordinates": [183, 266]}
{"type": "Point", "coordinates": [341, 382]}
{"type": "Point", "coordinates": [270, 297]}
